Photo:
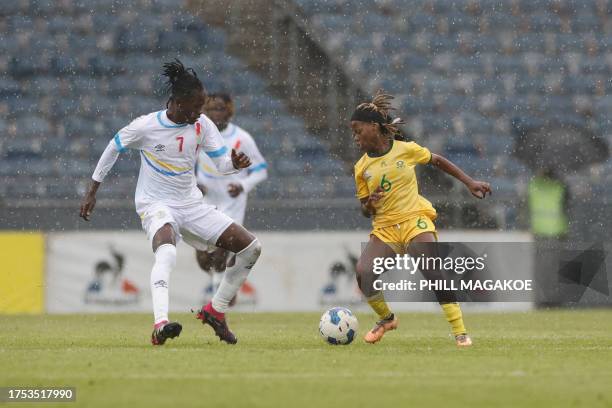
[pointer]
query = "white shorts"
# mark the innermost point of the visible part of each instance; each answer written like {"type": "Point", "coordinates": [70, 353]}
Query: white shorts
{"type": "Point", "coordinates": [234, 208]}
{"type": "Point", "coordinates": [200, 225]}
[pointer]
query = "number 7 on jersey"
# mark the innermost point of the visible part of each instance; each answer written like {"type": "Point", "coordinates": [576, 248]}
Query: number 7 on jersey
{"type": "Point", "coordinates": [180, 140]}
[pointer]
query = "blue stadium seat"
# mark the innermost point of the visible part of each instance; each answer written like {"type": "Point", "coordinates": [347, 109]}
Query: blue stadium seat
{"type": "Point", "coordinates": [458, 21]}
{"type": "Point", "coordinates": [422, 22]}
{"type": "Point", "coordinates": [484, 43]}
{"type": "Point", "coordinates": [595, 65]}
{"type": "Point", "coordinates": [499, 19]}
{"type": "Point", "coordinates": [9, 87]}
{"type": "Point", "coordinates": [472, 64]}
{"type": "Point", "coordinates": [10, 8]}
{"type": "Point", "coordinates": [531, 42]}
{"type": "Point", "coordinates": [579, 84]}
{"type": "Point", "coordinates": [569, 43]}
{"type": "Point", "coordinates": [514, 167]}
{"type": "Point", "coordinates": [288, 166]}
{"type": "Point", "coordinates": [530, 85]}
{"type": "Point", "coordinates": [543, 21]}
{"type": "Point", "coordinates": [585, 21]}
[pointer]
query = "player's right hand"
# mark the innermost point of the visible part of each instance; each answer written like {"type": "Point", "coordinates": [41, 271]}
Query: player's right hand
{"type": "Point", "coordinates": [373, 199]}
{"type": "Point", "coordinates": [479, 189]}
{"type": "Point", "coordinates": [377, 194]}
{"type": "Point", "coordinates": [240, 160]}
{"type": "Point", "coordinates": [87, 206]}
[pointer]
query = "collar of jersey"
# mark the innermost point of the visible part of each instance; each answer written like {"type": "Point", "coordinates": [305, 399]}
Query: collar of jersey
{"type": "Point", "coordinates": [167, 125]}
{"type": "Point", "coordinates": [382, 154]}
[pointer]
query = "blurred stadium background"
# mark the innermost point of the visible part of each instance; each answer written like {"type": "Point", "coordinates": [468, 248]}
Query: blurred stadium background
{"type": "Point", "coordinates": [74, 71]}
{"type": "Point", "coordinates": [472, 78]}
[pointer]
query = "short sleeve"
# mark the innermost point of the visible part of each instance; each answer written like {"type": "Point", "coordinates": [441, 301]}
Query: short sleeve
{"type": "Point", "coordinates": [131, 136]}
{"type": "Point", "coordinates": [212, 142]}
{"type": "Point", "coordinates": [361, 185]}
{"type": "Point", "coordinates": [419, 154]}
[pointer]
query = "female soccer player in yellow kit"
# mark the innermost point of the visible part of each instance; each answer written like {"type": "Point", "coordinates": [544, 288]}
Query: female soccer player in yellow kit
{"type": "Point", "coordinates": [401, 218]}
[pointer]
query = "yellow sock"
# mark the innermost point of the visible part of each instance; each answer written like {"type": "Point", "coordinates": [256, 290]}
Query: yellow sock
{"type": "Point", "coordinates": [452, 311]}
{"type": "Point", "coordinates": [377, 302]}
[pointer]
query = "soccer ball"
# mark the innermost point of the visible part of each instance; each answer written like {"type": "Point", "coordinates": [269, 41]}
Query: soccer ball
{"type": "Point", "coordinates": [338, 326]}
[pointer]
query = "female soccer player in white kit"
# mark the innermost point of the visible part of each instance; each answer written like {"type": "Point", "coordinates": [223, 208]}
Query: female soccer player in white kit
{"type": "Point", "coordinates": [227, 192]}
{"type": "Point", "coordinates": [169, 202]}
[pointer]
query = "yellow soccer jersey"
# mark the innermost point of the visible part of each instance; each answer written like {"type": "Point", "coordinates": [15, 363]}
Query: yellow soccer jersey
{"type": "Point", "coordinates": [394, 172]}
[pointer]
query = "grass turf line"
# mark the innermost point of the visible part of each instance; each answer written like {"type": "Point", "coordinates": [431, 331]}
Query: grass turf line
{"type": "Point", "coordinates": [546, 358]}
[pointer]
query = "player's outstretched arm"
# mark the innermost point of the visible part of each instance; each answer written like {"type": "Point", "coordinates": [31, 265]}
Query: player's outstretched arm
{"type": "Point", "coordinates": [479, 189]}
{"type": "Point", "coordinates": [106, 162]}
{"type": "Point", "coordinates": [89, 200]}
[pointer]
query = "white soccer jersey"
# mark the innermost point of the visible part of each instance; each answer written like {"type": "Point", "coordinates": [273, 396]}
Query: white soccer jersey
{"type": "Point", "coordinates": [234, 137]}
{"type": "Point", "coordinates": [168, 153]}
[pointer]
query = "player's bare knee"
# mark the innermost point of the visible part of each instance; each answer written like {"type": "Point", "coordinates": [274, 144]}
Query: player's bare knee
{"type": "Point", "coordinates": [164, 235]}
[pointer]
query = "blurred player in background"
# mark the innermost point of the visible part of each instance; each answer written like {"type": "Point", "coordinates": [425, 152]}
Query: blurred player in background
{"type": "Point", "coordinates": [227, 192]}
{"type": "Point", "coordinates": [401, 218]}
{"type": "Point", "coordinates": [170, 204]}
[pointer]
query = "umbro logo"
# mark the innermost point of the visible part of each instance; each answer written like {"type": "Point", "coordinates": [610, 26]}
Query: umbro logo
{"type": "Point", "coordinates": [160, 284]}
{"type": "Point", "coordinates": [160, 148]}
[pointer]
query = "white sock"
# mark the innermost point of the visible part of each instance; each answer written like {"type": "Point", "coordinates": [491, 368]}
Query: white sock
{"type": "Point", "coordinates": [165, 259]}
{"type": "Point", "coordinates": [217, 278]}
{"type": "Point", "coordinates": [235, 276]}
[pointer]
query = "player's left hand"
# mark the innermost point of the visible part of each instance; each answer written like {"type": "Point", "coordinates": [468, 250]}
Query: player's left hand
{"type": "Point", "coordinates": [87, 205]}
{"type": "Point", "coordinates": [479, 189]}
{"type": "Point", "coordinates": [240, 160]}
{"type": "Point", "coordinates": [234, 189]}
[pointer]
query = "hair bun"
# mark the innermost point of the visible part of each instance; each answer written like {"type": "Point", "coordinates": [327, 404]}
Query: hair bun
{"type": "Point", "coordinates": [174, 70]}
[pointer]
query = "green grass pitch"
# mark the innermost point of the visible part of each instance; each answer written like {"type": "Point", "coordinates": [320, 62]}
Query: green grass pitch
{"type": "Point", "coordinates": [537, 359]}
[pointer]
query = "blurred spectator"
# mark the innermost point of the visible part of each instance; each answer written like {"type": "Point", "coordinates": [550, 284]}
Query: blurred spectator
{"type": "Point", "coordinates": [548, 198]}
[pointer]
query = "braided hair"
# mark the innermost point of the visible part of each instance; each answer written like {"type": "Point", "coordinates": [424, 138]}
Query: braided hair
{"type": "Point", "coordinates": [182, 82]}
{"type": "Point", "coordinates": [379, 111]}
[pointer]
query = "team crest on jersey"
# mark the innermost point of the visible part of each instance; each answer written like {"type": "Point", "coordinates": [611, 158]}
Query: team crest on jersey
{"type": "Point", "coordinates": [160, 148]}
{"type": "Point", "coordinates": [198, 128]}
{"type": "Point", "coordinates": [367, 175]}
{"type": "Point", "coordinates": [399, 164]}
